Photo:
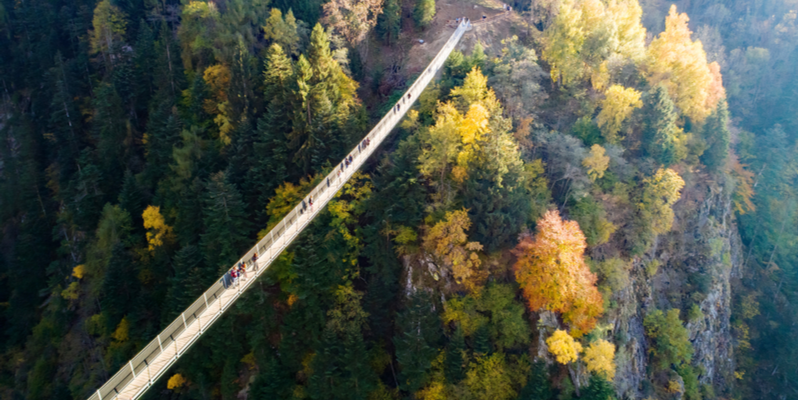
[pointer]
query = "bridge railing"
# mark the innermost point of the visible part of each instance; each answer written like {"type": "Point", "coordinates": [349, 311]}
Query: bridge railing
{"type": "Point", "coordinates": [266, 249]}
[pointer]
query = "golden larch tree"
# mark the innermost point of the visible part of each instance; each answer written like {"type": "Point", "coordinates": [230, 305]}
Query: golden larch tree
{"type": "Point", "coordinates": [680, 63]}
{"type": "Point", "coordinates": [552, 274]}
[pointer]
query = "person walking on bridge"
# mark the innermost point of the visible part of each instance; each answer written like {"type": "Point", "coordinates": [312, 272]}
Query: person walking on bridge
{"type": "Point", "coordinates": [255, 261]}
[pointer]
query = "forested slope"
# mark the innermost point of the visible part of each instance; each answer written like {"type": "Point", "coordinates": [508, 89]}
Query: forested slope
{"type": "Point", "coordinates": [602, 205]}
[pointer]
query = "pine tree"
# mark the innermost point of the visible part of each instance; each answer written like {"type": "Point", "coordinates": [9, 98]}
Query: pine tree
{"type": "Point", "coordinates": [455, 360]}
{"type": "Point", "coordinates": [389, 21]}
{"type": "Point", "coordinates": [225, 221]}
{"type": "Point", "coordinates": [663, 140]}
{"type": "Point", "coordinates": [188, 281]}
{"type": "Point", "coordinates": [599, 389]}
{"type": "Point", "coordinates": [270, 147]}
{"type": "Point", "coordinates": [717, 137]}
{"type": "Point", "coordinates": [481, 341]}
{"type": "Point", "coordinates": [110, 131]}
{"type": "Point", "coordinates": [424, 11]}
{"type": "Point", "coordinates": [120, 286]}
{"type": "Point", "coordinates": [64, 120]}
{"type": "Point", "coordinates": [131, 200]}
{"type": "Point", "coordinates": [417, 336]}
{"type": "Point", "coordinates": [538, 386]}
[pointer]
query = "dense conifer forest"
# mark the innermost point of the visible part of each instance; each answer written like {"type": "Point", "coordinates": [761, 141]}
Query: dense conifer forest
{"type": "Point", "coordinates": [594, 199]}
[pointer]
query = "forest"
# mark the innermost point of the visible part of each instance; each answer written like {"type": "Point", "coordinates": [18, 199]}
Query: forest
{"type": "Point", "coordinates": [594, 199]}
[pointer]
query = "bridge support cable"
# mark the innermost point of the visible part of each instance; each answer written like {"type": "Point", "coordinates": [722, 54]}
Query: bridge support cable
{"type": "Point", "coordinates": [143, 370]}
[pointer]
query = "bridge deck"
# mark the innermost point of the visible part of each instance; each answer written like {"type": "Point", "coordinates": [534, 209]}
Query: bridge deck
{"type": "Point", "coordinates": [139, 374]}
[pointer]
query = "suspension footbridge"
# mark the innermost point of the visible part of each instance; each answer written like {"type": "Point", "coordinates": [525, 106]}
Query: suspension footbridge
{"type": "Point", "coordinates": [143, 370]}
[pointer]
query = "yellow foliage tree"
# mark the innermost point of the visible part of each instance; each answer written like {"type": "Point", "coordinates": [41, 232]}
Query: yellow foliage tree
{"type": "Point", "coordinates": [629, 32]}
{"type": "Point", "coordinates": [596, 162]}
{"type": "Point", "coordinates": [218, 79]}
{"type": "Point", "coordinates": [447, 243]}
{"type": "Point", "coordinates": [742, 196]}
{"type": "Point", "coordinates": [552, 273]}
{"type": "Point", "coordinates": [563, 346]}
{"type": "Point", "coordinates": [158, 232]}
{"type": "Point", "coordinates": [72, 292]}
{"type": "Point", "coordinates": [616, 107]}
{"type": "Point", "coordinates": [599, 358]}
{"type": "Point", "coordinates": [660, 192]}
{"type": "Point", "coordinates": [674, 59]}
{"type": "Point", "coordinates": [108, 30]}
{"type": "Point", "coordinates": [176, 382]}
{"type": "Point", "coordinates": [121, 333]}
{"type": "Point", "coordinates": [563, 41]}
{"type": "Point", "coordinates": [79, 271]}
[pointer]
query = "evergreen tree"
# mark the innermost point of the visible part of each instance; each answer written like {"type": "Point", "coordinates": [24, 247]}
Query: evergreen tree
{"type": "Point", "coordinates": [188, 281]}
{"type": "Point", "coordinates": [273, 381]}
{"type": "Point", "coordinates": [120, 286]}
{"type": "Point", "coordinates": [64, 121]}
{"type": "Point", "coordinates": [538, 386]}
{"type": "Point", "coordinates": [225, 220]}
{"type": "Point", "coordinates": [110, 132]}
{"type": "Point", "coordinates": [389, 21]}
{"type": "Point", "coordinates": [143, 59]}
{"type": "Point", "coordinates": [270, 147]}
{"type": "Point", "coordinates": [424, 11]}
{"type": "Point", "coordinates": [132, 200]}
{"type": "Point", "coordinates": [416, 340]}
{"type": "Point", "coordinates": [85, 195]}
{"type": "Point", "coordinates": [662, 138]}
{"type": "Point", "coordinates": [481, 341]}
{"type": "Point", "coordinates": [599, 389]}
{"type": "Point", "coordinates": [455, 360]}
{"type": "Point", "coordinates": [717, 137]}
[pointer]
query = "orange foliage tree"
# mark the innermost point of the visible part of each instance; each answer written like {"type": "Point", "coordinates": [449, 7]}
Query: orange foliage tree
{"type": "Point", "coordinates": [551, 271]}
{"type": "Point", "coordinates": [679, 62]}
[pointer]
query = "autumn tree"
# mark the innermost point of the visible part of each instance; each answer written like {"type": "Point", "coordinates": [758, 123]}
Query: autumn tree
{"type": "Point", "coordinates": [282, 30]}
{"type": "Point", "coordinates": [660, 192]}
{"type": "Point", "coordinates": [552, 273]}
{"type": "Point", "coordinates": [563, 346]}
{"type": "Point", "coordinates": [563, 42]}
{"type": "Point", "coordinates": [447, 243]}
{"type": "Point", "coordinates": [599, 358]}
{"type": "Point", "coordinates": [680, 63]}
{"type": "Point", "coordinates": [158, 232]}
{"type": "Point", "coordinates": [596, 162]}
{"type": "Point", "coordinates": [617, 106]}
{"type": "Point", "coordinates": [218, 79]}
{"type": "Point", "coordinates": [108, 31]}
{"type": "Point", "coordinates": [352, 19]}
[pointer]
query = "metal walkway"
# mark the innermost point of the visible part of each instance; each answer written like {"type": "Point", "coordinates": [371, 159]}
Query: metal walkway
{"type": "Point", "coordinates": [156, 357]}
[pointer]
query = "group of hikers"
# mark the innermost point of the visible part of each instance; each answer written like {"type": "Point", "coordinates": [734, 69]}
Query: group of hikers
{"type": "Point", "coordinates": [239, 272]}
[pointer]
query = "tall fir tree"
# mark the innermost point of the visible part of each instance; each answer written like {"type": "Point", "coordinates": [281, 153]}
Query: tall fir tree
{"type": "Point", "coordinates": [417, 338]}
{"type": "Point", "coordinates": [662, 138]}
{"type": "Point", "coordinates": [225, 223]}
{"type": "Point", "coordinates": [717, 137]}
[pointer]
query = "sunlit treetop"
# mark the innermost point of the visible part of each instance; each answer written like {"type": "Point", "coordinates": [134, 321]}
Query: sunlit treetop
{"type": "Point", "coordinates": [680, 63]}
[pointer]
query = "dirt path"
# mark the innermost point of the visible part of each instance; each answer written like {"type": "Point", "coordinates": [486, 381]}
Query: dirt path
{"type": "Point", "coordinates": [489, 31]}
